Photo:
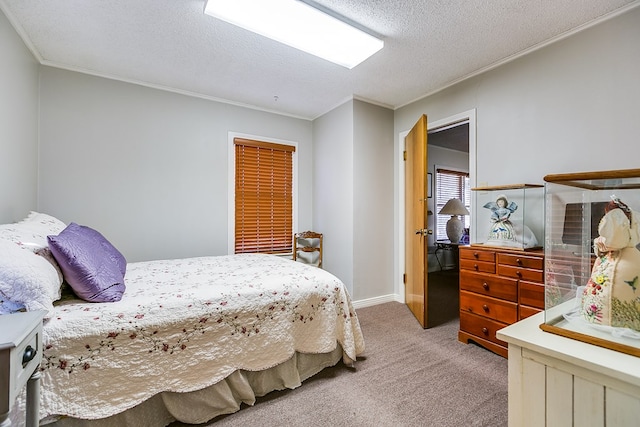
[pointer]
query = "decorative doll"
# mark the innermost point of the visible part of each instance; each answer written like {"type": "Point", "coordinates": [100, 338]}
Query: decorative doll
{"type": "Point", "coordinates": [501, 227]}
{"type": "Point", "coordinates": [612, 294]}
{"type": "Point", "coordinates": [503, 231]}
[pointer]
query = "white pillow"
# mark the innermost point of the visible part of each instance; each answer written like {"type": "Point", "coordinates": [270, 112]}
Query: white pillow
{"type": "Point", "coordinates": [31, 233]}
{"type": "Point", "coordinates": [47, 221]}
{"type": "Point", "coordinates": [27, 281]}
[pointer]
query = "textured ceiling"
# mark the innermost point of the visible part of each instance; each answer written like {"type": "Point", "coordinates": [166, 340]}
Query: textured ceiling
{"type": "Point", "coordinates": [171, 44]}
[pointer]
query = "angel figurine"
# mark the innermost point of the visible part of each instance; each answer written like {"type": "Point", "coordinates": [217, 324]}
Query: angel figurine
{"type": "Point", "coordinates": [501, 227]}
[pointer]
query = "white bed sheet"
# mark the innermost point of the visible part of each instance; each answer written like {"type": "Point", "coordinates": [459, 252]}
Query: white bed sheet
{"type": "Point", "coordinates": [184, 325]}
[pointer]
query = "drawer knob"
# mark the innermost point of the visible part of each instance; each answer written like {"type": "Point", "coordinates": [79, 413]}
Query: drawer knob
{"type": "Point", "coordinates": [518, 273]}
{"type": "Point", "coordinates": [518, 261]}
{"type": "Point", "coordinates": [485, 307]}
{"type": "Point", "coordinates": [485, 285]}
{"type": "Point", "coordinates": [29, 354]}
{"type": "Point", "coordinates": [476, 255]}
{"type": "Point", "coordinates": [485, 330]}
{"type": "Point", "coordinates": [475, 266]}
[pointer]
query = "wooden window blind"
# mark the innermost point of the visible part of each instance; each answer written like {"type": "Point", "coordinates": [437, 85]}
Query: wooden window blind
{"type": "Point", "coordinates": [451, 184]}
{"type": "Point", "coordinates": [263, 197]}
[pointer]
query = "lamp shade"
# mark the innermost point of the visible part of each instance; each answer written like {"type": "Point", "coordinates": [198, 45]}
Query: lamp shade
{"type": "Point", "coordinates": [455, 227]}
{"type": "Point", "coordinates": [454, 207]}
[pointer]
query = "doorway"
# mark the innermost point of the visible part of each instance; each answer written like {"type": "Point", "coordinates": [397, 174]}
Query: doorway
{"type": "Point", "coordinates": [448, 148]}
{"type": "Point", "coordinates": [468, 117]}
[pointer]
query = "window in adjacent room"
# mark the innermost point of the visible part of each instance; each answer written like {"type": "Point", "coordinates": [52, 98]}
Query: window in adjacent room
{"type": "Point", "coordinates": [450, 184]}
{"type": "Point", "coordinates": [263, 196]}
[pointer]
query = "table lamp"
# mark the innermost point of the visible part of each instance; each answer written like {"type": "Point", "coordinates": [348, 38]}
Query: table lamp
{"type": "Point", "coordinates": [455, 227]}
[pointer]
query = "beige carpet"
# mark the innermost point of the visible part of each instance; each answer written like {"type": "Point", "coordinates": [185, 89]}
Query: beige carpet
{"type": "Point", "coordinates": [409, 376]}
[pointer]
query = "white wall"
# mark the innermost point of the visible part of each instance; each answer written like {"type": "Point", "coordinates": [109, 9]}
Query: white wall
{"type": "Point", "coordinates": [372, 193]}
{"type": "Point", "coordinates": [146, 167]}
{"type": "Point", "coordinates": [567, 107]}
{"type": "Point", "coordinates": [571, 106]}
{"type": "Point", "coordinates": [353, 187]}
{"type": "Point", "coordinates": [333, 190]}
{"type": "Point", "coordinates": [18, 126]}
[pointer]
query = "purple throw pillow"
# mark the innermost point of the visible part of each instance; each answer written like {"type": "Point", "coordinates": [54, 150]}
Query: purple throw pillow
{"type": "Point", "coordinates": [82, 231]}
{"type": "Point", "coordinates": [91, 265]}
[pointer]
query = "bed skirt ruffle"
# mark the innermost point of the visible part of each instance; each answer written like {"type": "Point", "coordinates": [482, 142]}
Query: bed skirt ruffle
{"type": "Point", "coordinates": [224, 397]}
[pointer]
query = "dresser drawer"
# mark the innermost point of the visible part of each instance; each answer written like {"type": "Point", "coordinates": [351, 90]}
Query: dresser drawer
{"type": "Point", "coordinates": [481, 327]}
{"type": "Point", "coordinates": [520, 273]}
{"type": "Point", "coordinates": [536, 263]}
{"type": "Point", "coordinates": [489, 285]}
{"type": "Point", "coordinates": [480, 266]}
{"type": "Point", "coordinates": [496, 309]}
{"type": "Point", "coordinates": [531, 294]}
{"type": "Point", "coordinates": [486, 256]}
{"type": "Point", "coordinates": [26, 357]}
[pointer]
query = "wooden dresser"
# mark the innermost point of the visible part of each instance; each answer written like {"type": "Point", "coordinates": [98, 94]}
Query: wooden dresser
{"type": "Point", "coordinates": [498, 287]}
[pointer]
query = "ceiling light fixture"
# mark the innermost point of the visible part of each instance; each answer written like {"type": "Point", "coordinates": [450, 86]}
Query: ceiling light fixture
{"type": "Point", "coordinates": [299, 25]}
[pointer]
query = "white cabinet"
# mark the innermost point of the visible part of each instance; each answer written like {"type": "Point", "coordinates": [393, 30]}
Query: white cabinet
{"type": "Point", "coordinates": [556, 381]}
{"type": "Point", "coordinates": [20, 356]}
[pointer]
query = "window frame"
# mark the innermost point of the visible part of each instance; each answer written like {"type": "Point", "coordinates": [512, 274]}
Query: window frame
{"type": "Point", "coordinates": [231, 197]}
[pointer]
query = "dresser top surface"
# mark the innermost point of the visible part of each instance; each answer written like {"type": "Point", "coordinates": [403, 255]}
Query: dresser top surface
{"type": "Point", "coordinates": [15, 327]}
{"type": "Point", "coordinates": [536, 252]}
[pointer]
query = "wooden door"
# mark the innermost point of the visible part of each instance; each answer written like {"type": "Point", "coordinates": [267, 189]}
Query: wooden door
{"type": "Point", "coordinates": [416, 283]}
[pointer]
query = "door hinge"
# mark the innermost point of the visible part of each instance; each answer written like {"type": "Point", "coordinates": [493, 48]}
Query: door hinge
{"type": "Point", "coordinates": [404, 278]}
{"type": "Point", "coordinates": [404, 155]}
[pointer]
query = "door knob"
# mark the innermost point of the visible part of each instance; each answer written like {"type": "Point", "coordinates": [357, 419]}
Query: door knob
{"type": "Point", "coordinates": [424, 231]}
{"type": "Point", "coordinates": [28, 355]}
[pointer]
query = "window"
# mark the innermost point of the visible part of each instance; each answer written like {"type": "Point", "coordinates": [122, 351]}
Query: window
{"type": "Point", "coordinates": [263, 196]}
{"type": "Point", "coordinates": [451, 184]}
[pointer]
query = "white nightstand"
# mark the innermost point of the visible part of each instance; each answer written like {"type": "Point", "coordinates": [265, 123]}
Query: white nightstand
{"type": "Point", "coordinates": [20, 356]}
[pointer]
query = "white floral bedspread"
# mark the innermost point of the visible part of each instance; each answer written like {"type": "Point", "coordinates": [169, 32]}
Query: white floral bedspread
{"type": "Point", "coordinates": [183, 325]}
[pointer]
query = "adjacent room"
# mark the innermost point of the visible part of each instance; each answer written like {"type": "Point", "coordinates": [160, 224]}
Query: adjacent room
{"type": "Point", "coordinates": [263, 235]}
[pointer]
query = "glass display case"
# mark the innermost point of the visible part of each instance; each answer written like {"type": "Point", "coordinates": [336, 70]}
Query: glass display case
{"type": "Point", "coordinates": [509, 216]}
{"type": "Point", "coordinates": [592, 261]}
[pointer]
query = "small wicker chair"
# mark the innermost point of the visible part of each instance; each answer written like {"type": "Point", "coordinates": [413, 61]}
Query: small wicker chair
{"type": "Point", "coordinates": [307, 248]}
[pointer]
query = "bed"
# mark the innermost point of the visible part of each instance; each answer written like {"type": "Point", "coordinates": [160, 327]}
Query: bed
{"type": "Point", "coordinates": [187, 339]}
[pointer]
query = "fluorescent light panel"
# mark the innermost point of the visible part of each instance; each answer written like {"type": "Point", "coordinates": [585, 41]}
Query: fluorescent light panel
{"type": "Point", "coordinates": [299, 25]}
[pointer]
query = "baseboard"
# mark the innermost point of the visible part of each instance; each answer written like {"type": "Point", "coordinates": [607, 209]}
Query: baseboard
{"type": "Point", "coordinates": [377, 300]}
